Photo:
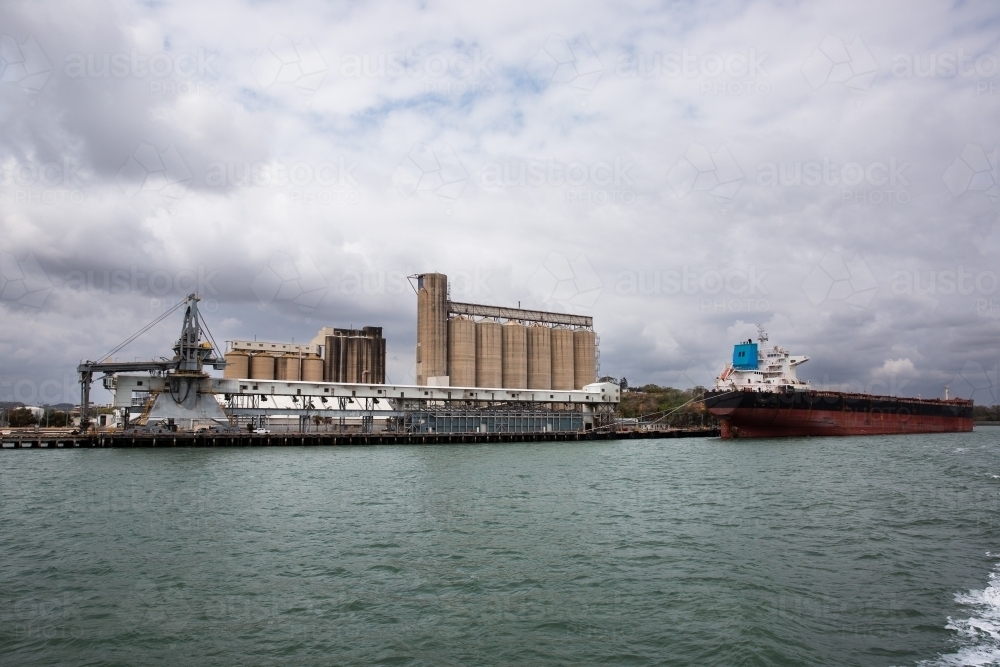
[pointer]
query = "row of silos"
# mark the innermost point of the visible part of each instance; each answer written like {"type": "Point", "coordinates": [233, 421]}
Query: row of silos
{"type": "Point", "coordinates": [334, 355]}
{"type": "Point", "coordinates": [266, 366]}
{"type": "Point", "coordinates": [518, 356]}
{"type": "Point", "coordinates": [355, 356]}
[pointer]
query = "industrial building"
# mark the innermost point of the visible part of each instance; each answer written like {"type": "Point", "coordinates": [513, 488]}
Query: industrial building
{"type": "Point", "coordinates": [480, 369]}
{"type": "Point", "coordinates": [458, 345]}
{"type": "Point", "coordinates": [344, 355]}
{"type": "Point", "coordinates": [355, 356]}
{"type": "Point", "coordinates": [472, 345]}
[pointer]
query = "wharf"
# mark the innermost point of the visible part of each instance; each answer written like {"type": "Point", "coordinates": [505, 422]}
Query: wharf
{"type": "Point", "coordinates": [210, 439]}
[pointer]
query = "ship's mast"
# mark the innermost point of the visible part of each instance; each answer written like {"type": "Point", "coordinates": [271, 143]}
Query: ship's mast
{"type": "Point", "coordinates": [761, 334]}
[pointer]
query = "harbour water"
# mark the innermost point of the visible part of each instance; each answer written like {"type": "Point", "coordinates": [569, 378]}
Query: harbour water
{"type": "Point", "coordinates": [839, 551]}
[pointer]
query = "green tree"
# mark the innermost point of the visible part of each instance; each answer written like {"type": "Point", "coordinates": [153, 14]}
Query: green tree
{"type": "Point", "coordinates": [55, 418]}
{"type": "Point", "coordinates": [20, 417]}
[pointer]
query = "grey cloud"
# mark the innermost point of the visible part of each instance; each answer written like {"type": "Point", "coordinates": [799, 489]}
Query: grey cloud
{"type": "Point", "coordinates": [281, 198]}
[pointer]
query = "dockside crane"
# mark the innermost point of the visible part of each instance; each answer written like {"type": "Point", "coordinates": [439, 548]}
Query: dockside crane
{"type": "Point", "coordinates": [183, 371]}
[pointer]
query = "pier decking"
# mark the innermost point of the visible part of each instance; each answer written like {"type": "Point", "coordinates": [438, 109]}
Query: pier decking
{"type": "Point", "coordinates": [138, 440]}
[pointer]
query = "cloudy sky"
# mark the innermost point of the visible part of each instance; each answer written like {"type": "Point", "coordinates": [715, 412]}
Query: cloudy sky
{"type": "Point", "coordinates": [680, 171]}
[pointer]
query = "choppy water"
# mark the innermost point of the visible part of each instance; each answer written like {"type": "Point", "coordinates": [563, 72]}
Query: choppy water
{"type": "Point", "coordinates": [850, 551]}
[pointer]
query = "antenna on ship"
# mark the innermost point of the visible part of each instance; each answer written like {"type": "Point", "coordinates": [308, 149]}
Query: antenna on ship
{"type": "Point", "coordinates": [946, 388]}
{"type": "Point", "coordinates": [761, 334]}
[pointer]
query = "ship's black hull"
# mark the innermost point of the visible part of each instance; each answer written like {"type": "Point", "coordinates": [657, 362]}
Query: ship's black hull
{"type": "Point", "coordinates": [767, 414]}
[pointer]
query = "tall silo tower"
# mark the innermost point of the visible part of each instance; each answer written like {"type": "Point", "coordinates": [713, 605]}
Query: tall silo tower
{"type": "Point", "coordinates": [432, 327]}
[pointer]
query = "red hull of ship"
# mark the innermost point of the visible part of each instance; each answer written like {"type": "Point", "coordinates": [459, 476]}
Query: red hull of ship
{"type": "Point", "coordinates": [768, 423]}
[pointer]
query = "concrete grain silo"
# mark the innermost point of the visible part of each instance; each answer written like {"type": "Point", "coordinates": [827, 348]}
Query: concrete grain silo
{"type": "Point", "coordinates": [489, 354]}
{"type": "Point", "coordinates": [432, 327]}
{"type": "Point", "coordinates": [262, 366]}
{"type": "Point", "coordinates": [533, 349]}
{"type": "Point", "coordinates": [355, 359]}
{"type": "Point", "coordinates": [539, 357]}
{"type": "Point", "coordinates": [289, 368]}
{"type": "Point", "coordinates": [373, 359]}
{"type": "Point", "coordinates": [514, 340]}
{"type": "Point", "coordinates": [312, 368]}
{"type": "Point", "coordinates": [355, 356]}
{"type": "Point", "coordinates": [461, 369]}
{"type": "Point", "coordinates": [562, 358]}
{"type": "Point", "coordinates": [237, 365]}
{"type": "Point", "coordinates": [584, 357]}
{"type": "Point", "coordinates": [334, 369]}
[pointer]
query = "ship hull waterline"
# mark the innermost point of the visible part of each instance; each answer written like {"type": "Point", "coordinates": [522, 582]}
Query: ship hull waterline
{"type": "Point", "coordinates": [763, 415]}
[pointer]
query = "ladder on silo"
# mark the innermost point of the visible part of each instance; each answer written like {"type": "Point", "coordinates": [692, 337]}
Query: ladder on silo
{"type": "Point", "coordinates": [597, 357]}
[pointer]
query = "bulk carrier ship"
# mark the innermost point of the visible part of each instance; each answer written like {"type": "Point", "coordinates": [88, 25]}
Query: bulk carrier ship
{"type": "Point", "coordinates": [758, 395]}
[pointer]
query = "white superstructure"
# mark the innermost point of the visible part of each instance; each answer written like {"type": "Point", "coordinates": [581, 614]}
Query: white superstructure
{"type": "Point", "coordinates": [760, 367]}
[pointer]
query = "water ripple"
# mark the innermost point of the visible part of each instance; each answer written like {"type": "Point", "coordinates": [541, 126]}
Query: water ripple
{"type": "Point", "coordinates": [813, 551]}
